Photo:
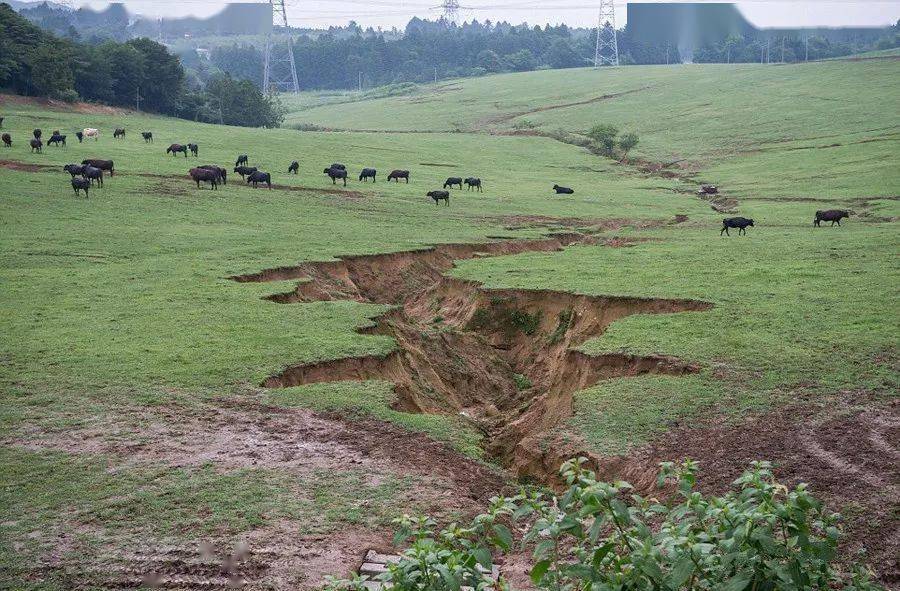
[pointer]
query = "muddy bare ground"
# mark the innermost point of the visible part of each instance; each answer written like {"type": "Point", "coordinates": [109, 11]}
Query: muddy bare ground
{"type": "Point", "coordinates": [846, 447]}
{"type": "Point", "coordinates": [235, 433]}
{"type": "Point", "coordinates": [505, 358]}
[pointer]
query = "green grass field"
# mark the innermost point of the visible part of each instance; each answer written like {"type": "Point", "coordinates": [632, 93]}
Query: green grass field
{"type": "Point", "coordinates": [125, 349]}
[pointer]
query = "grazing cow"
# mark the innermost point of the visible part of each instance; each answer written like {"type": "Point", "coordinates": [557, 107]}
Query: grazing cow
{"type": "Point", "coordinates": [221, 172]}
{"type": "Point", "coordinates": [80, 136]}
{"type": "Point", "coordinates": [244, 170]}
{"type": "Point", "coordinates": [194, 148]}
{"type": "Point", "coordinates": [294, 167]}
{"type": "Point", "coordinates": [174, 149]}
{"type": "Point", "coordinates": [37, 134]}
{"type": "Point", "coordinates": [740, 223]}
{"type": "Point", "coordinates": [81, 185]}
{"type": "Point", "coordinates": [91, 132]}
{"type": "Point", "coordinates": [93, 174]}
{"type": "Point", "coordinates": [206, 175]}
{"type": "Point", "coordinates": [36, 146]}
{"type": "Point", "coordinates": [106, 165]}
{"type": "Point", "coordinates": [148, 136]}
{"type": "Point", "coordinates": [57, 139]}
{"type": "Point", "coordinates": [260, 177]}
{"type": "Point", "coordinates": [399, 174]}
{"type": "Point", "coordinates": [562, 190]}
{"type": "Point", "coordinates": [7, 140]}
{"type": "Point", "coordinates": [438, 196]}
{"type": "Point", "coordinates": [335, 174]}
{"type": "Point", "coordinates": [474, 183]}
{"type": "Point", "coordinates": [119, 133]}
{"type": "Point", "coordinates": [242, 159]}
{"type": "Point", "coordinates": [74, 169]}
{"type": "Point", "coordinates": [831, 215]}
{"type": "Point", "coordinates": [453, 180]}
{"type": "Point", "coordinates": [367, 173]}
{"type": "Point", "coordinates": [338, 166]}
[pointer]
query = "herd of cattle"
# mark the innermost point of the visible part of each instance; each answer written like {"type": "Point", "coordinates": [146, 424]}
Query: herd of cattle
{"type": "Point", "coordinates": [91, 171]}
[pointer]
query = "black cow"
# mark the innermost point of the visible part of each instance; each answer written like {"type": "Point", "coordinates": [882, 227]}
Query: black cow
{"type": "Point", "coordinates": [740, 223]}
{"type": "Point", "coordinates": [831, 215]}
{"type": "Point", "coordinates": [36, 146]}
{"type": "Point", "coordinates": [174, 149]}
{"type": "Point", "coordinates": [148, 136]}
{"type": "Point", "coordinates": [74, 169]}
{"type": "Point", "coordinates": [399, 174]}
{"type": "Point", "coordinates": [244, 170]}
{"type": "Point", "coordinates": [93, 174]}
{"type": "Point", "coordinates": [205, 175]}
{"type": "Point", "coordinates": [221, 172]}
{"type": "Point", "coordinates": [335, 174]}
{"type": "Point", "coordinates": [260, 177]}
{"type": "Point", "coordinates": [294, 167]}
{"type": "Point", "coordinates": [106, 165]}
{"type": "Point", "coordinates": [453, 180]}
{"type": "Point", "coordinates": [7, 140]}
{"type": "Point", "coordinates": [1, 122]}
{"type": "Point", "coordinates": [562, 190]}
{"type": "Point", "coordinates": [338, 166]}
{"type": "Point", "coordinates": [37, 134]}
{"type": "Point", "coordinates": [57, 139]}
{"type": "Point", "coordinates": [242, 159]}
{"type": "Point", "coordinates": [80, 136]}
{"type": "Point", "coordinates": [439, 195]}
{"type": "Point", "coordinates": [194, 148]}
{"type": "Point", "coordinates": [81, 185]}
{"type": "Point", "coordinates": [367, 173]}
{"type": "Point", "coordinates": [119, 133]}
{"type": "Point", "coordinates": [474, 183]}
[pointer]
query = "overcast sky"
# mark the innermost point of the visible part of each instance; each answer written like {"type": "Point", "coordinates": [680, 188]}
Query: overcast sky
{"type": "Point", "coordinates": [388, 13]}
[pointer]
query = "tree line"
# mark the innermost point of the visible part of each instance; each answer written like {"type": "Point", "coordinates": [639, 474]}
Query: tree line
{"type": "Point", "coordinates": [138, 73]}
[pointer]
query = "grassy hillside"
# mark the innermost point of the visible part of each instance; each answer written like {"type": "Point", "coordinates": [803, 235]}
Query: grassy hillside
{"type": "Point", "coordinates": [133, 420]}
{"type": "Point", "coordinates": [712, 117]}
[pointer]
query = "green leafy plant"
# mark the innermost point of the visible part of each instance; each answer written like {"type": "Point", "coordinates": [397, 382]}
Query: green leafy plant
{"type": "Point", "coordinates": [522, 381]}
{"type": "Point", "coordinates": [605, 136]}
{"type": "Point", "coordinates": [600, 536]}
{"type": "Point", "coordinates": [627, 142]}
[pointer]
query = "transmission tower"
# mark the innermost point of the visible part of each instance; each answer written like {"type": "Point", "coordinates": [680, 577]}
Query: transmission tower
{"type": "Point", "coordinates": [451, 11]}
{"type": "Point", "coordinates": [607, 50]}
{"type": "Point", "coordinates": [279, 69]}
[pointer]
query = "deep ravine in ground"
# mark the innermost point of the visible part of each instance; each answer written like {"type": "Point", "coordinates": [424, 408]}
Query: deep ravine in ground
{"type": "Point", "coordinates": [505, 358]}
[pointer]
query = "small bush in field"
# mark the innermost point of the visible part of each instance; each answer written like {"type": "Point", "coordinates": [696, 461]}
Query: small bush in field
{"type": "Point", "coordinates": [600, 536]}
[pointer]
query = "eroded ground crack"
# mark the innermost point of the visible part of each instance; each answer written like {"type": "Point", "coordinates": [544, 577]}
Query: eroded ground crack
{"type": "Point", "coordinates": [505, 358]}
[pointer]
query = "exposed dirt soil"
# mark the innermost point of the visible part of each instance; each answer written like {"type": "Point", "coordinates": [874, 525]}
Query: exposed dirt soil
{"type": "Point", "coordinates": [233, 434]}
{"type": "Point", "coordinates": [847, 449]}
{"type": "Point", "coordinates": [505, 358]}
{"type": "Point", "coordinates": [26, 167]}
{"type": "Point", "coordinates": [495, 119]}
{"type": "Point", "coordinates": [45, 103]}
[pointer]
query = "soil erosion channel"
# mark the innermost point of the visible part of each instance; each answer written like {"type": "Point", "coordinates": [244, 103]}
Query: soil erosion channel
{"type": "Point", "coordinates": [505, 358]}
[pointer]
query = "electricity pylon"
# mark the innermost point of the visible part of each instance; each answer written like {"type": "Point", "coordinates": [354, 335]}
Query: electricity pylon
{"type": "Point", "coordinates": [279, 69]}
{"type": "Point", "coordinates": [607, 50]}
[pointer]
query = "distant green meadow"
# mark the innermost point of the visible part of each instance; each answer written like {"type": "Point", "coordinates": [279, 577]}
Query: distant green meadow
{"type": "Point", "coordinates": [122, 301]}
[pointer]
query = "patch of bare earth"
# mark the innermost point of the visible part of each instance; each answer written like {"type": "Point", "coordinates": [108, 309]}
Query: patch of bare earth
{"type": "Point", "coordinates": [505, 358]}
{"type": "Point", "coordinates": [847, 449]}
{"type": "Point", "coordinates": [239, 433]}
{"type": "Point", "coordinates": [77, 107]}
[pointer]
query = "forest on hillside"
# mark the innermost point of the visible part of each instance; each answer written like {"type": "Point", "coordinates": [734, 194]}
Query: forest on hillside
{"type": "Point", "coordinates": [349, 56]}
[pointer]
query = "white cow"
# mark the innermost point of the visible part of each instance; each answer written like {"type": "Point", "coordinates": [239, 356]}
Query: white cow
{"type": "Point", "coordinates": [91, 132]}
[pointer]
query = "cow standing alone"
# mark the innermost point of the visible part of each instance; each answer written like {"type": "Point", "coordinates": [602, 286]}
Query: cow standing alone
{"type": "Point", "coordinates": [740, 223]}
{"type": "Point", "coordinates": [831, 215]}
